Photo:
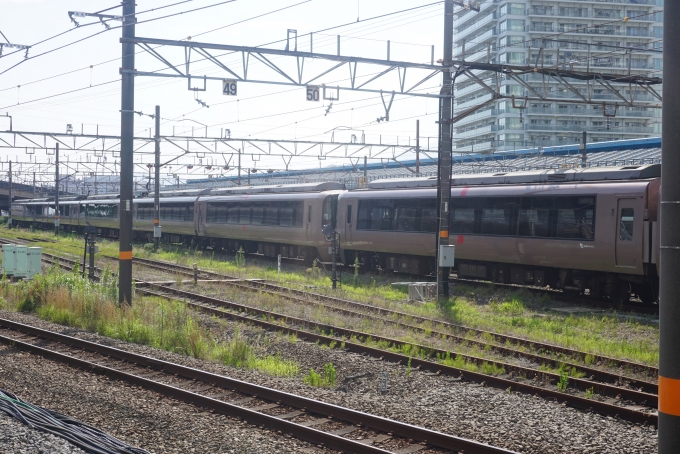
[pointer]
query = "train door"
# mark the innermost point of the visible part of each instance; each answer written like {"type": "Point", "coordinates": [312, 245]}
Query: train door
{"type": "Point", "coordinates": [349, 221]}
{"type": "Point", "coordinates": [308, 227]}
{"type": "Point", "coordinates": [628, 233]}
{"type": "Point", "coordinates": [197, 217]}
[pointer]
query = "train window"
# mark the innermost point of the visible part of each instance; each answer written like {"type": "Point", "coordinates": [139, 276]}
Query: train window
{"type": "Point", "coordinates": [330, 207]}
{"type": "Point", "coordinates": [244, 215]}
{"type": "Point", "coordinates": [499, 215]}
{"type": "Point", "coordinates": [534, 217]}
{"type": "Point", "coordinates": [406, 215]}
{"type": "Point", "coordinates": [211, 215]}
{"type": "Point", "coordinates": [626, 224]}
{"type": "Point", "coordinates": [221, 214]}
{"type": "Point", "coordinates": [258, 215]}
{"type": "Point", "coordinates": [463, 215]}
{"type": "Point", "coordinates": [575, 217]}
{"type": "Point", "coordinates": [407, 219]}
{"type": "Point", "coordinates": [428, 219]}
{"type": "Point", "coordinates": [287, 216]}
{"type": "Point", "coordinates": [349, 214]}
{"type": "Point", "coordinates": [100, 211]}
{"type": "Point", "coordinates": [271, 215]}
{"type": "Point", "coordinates": [541, 217]}
{"type": "Point", "coordinates": [228, 215]}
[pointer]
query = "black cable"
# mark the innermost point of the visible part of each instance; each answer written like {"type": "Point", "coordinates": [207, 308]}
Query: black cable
{"type": "Point", "coordinates": [88, 438]}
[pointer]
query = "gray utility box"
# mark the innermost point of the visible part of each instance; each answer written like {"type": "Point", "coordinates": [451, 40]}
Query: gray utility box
{"type": "Point", "coordinates": [20, 263]}
{"type": "Point", "coordinates": [8, 259]}
{"type": "Point", "coordinates": [446, 254]}
{"type": "Point", "coordinates": [33, 261]}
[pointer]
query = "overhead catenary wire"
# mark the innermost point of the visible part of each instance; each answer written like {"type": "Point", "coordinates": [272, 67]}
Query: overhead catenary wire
{"type": "Point", "coordinates": [273, 42]}
{"type": "Point", "coordinates": [106, 30]}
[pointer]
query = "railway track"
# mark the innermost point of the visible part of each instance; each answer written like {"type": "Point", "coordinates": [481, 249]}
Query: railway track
{"type": "Point", "coordinates": [316, 422]}
{"type": "Point", "coordinates": [636, 405]}
{"type": "Point", "coordinates": [632, 404]}
{"type": "Point", "coordinates": [462, 332]}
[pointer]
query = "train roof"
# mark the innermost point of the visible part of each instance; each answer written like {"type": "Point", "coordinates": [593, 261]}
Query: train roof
{"type": "Point", "coordinates": [639, 172]}
{"type": "Point", "coordinates": [279, 189]}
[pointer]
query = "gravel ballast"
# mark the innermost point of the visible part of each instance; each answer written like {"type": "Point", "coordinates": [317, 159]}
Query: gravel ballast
{"type": "Point", "coordinates": [510, 420]}
{"type": "Point", "coordinates": [18, 438]}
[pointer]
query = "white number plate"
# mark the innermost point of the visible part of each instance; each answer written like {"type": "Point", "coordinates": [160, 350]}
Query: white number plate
{"type": "Point", "coordinates": [229, 87]}
{"type": "Point", "coordinates": [313, 93]}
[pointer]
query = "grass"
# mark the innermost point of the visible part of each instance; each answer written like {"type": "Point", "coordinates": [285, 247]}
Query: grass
{"type": "Point", "coordinates": [68, 299]}
{"type": "Point", "coordinates": [461, 363]}
{"type": "Point", "coordinates": [326, 379]}
{"type": "Point", "coordinates": [518, 313]}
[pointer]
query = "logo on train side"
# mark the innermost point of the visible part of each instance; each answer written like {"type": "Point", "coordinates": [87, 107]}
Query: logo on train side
{"type": "Point", "coordinates": [586, 246]}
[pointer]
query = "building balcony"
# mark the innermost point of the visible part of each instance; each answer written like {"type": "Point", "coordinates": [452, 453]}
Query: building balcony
{"type": "Point", "coordinates": [590, 112]}
{"type": "Point", "coordinates": [481, 115]}
{"type": "Point", "coordinates": [486, 22]}
{"type": "Point", "coordinates": [471, 102]}
{"type": "Point", "coordinates": [479, 147]}
{"type": "Point", "coordinates": [468, 90]}
{"type": "Point", "coordinates": [475, 132]}
{"type": "Point", "coordinates": [555, 13]}
{"type": "Point", "coordinates": [618, 2]}
{"type": "Point", "coordinates": [478, 42]}
{"type": "Point", "coordinates": [472, 15]}
{"type": "Point", "coordinates": [578, 128]}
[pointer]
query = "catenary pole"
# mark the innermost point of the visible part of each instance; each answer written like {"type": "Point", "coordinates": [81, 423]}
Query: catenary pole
{"type": "Point", "coordinates": [417, 148]}
{"type": "Point", "coordinates": [56, 189]}
{"type": "Point", "coordinates": [445, 148]}
{"type": "Point", "coordinates": [127, 124]}
{"type": "Point", "coordinates": [157, 182]}
{"type": "Point", "coordinates": [9, 210]}
{"type": "Point", "coordinates": [583, 150]}
{"type": "Point", "coordinates": [669, 295]}
{"type": "Point", "coordinates": [239, 167]}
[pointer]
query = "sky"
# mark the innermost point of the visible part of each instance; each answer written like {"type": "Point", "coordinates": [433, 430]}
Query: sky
{"type": "Point", "coordinates": [90, 71]}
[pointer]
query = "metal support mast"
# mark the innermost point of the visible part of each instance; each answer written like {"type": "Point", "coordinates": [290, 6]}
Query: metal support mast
{"type": "Point", "coordinates": [445, 148]}
{"type": "Point", "coordinates": [127, 125]}
{"type": "Point", "coordinates": [9, 211]}
{"type": "Point", "coordinates": [157, 183]}
{"type": "Point", "coordinates": [56, 189]}
{"type": "Point", "coordinates": [239, 167]}
{"type": "Point", "coordinates": [669, 295]}
{"type": "Point", "coordinates": [417, 148]}
{"type": "Point", "coordinates": [583, 150]}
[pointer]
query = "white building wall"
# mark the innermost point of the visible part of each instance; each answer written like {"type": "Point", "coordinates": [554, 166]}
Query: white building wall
{"type": "Point", "coordinates": [551, 32]}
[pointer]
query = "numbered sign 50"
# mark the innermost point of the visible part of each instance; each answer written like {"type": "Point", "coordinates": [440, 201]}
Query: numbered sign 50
{"type": "Point", "coordinates": [229, 87]}
{"type": "Point", "coordinates": [313, 93]}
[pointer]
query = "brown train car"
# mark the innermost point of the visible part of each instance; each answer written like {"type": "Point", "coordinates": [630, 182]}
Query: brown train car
{"type": "Point", "coordinates": [580, 230]}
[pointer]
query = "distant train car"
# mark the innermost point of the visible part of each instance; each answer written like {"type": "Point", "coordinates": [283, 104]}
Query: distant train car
{"type": "Point", "coordinates": [266, 220]}
{"type": "Point", "coordinates": [578, 230]}
{"type": "Point", "coordinates": [286, 220]}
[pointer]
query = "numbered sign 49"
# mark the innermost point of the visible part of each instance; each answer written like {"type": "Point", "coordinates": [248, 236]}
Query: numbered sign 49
{"type": "Point", "coordinates": [229, 87]}
{"type": "Point", "coordinates": [313, 93]}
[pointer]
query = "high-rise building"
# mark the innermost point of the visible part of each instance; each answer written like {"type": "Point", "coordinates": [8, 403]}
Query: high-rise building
{"type": "Point", "coordinates": [610, 36]}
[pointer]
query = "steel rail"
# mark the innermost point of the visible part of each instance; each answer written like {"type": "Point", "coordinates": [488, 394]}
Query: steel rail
{"type": "Point", "coordinates": [643, 391]}
{"type": "Point", "coordinates": [499, 338]}
{"type": "Point", "coordinates": [600, 388]}
{"type": "Point", "coordinates": [333, 412]}
{"type": "Point", "coordinates": [632, 414]}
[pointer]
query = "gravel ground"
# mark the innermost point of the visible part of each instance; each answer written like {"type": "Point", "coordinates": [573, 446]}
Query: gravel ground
{"type": "Point", "coordinates": [18, 438]}
{"type": "Point", "coordinates": [137, 416]}
{"type": "Point", "coordinates": [510, 420]}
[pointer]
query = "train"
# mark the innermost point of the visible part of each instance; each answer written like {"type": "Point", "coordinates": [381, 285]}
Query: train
{"type": "Point", "coordinates": [588, 231]}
